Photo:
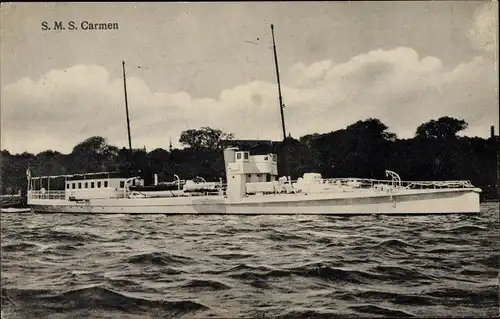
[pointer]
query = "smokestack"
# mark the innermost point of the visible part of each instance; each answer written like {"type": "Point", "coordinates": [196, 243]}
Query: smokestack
{"type": "Point", "coordinates": [492, 131]}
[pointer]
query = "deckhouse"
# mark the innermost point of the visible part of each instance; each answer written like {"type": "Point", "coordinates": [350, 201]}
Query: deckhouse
{"type": "Point", "coordinates": [248, 174]}
{"type": "Point", "coordinates": [80, 186]}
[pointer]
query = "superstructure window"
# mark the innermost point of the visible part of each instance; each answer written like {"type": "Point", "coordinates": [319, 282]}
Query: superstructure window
{"type": "Point", "coordinates": [67, 185]}
{"type": "Point", "coordinates": [79, 185]}
{"type": "Point", "coordinates": [73, 185]}
{"type": "Point", "coordinates": [106, 184]}
{"type": "Point", "coordinates": [245, 155]}
{"type": "Point", "coordinates": [91, 184]}
{"type": "Point", "coordinates": [98, 184]}
{"type": "Point", "coordinates": [86, 185]}
{"type": "Point", "coordinates": [122, 184]}
{"type": "Point", "coordinates": [238, 155]}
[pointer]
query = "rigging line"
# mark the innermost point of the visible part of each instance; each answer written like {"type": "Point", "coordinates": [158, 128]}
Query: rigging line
{"type": "Point", "coordinates": [228, 51]}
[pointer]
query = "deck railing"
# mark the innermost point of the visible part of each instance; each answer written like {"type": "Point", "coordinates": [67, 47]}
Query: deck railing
{"type": "Point", "coordinates": [37, 194]}
{"type": "Point", "coordinates": [284, 185]}
{"type": "Point", "coordinates": [385, 184]}
{"type": "Point", "coordinates": [373, 183]}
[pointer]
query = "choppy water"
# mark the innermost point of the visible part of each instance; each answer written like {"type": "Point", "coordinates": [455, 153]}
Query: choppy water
{"type": "Point", "coordinates": [155, 266]}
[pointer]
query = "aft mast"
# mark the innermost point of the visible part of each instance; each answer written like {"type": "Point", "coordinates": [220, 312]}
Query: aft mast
{"type": "Point", "coordinates": [282, 106]}
{"type": "Point", "coordinates": [126, 108]}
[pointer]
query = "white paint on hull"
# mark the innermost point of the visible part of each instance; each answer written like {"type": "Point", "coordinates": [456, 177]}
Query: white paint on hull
{"type": "Point", "coordinates": [460, 200]}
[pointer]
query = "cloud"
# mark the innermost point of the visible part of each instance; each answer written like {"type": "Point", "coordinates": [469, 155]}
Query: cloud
{"type": "Point", "coordinates": [63, 107]}
{"type": "Point", "coordinates": [483, 31]}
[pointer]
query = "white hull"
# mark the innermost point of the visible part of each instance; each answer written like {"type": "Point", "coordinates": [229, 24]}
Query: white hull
{"type": "Point", "coordinates": [430, 201]}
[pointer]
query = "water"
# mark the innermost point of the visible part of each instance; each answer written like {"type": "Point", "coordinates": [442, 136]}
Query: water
{"type": "Point", "coordinates": [155, 266]}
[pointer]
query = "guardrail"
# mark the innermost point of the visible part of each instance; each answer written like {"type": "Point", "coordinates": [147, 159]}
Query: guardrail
{"type": "Point", "coordinates": [373, 183]}
{"type": "Point", "coordinates": [46, 194]}
{"type": "Point", "coordinates": [350, 184]}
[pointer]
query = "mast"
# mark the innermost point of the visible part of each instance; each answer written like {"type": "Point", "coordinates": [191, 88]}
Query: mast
{"type": "Point", "coordinates": [282, 106]}
{"type": "Point", "coordinates": [279, 85]}
{"type": "Point", "coordinates": [126, 108]}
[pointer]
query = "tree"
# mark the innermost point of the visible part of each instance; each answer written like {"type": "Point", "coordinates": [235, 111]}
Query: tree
{"type": "Point", "coordinates": [49, 163]}
{"type": "Point", "coordinates": [13, 171]}
{"type": "Point", "coordinates": [444, 128]}
{"type": "Point", "coordinates": [94, 145]}
{"type": "Point", "coordinates": [371, 128]}
{"type": "Point", "coordinates": [204, 138]}
{"type": "Point", "coordinates": [93, 155]}
{"type": "Point", "coordinates": [365, 148]}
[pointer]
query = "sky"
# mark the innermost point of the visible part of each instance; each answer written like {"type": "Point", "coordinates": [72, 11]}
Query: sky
{"type": "Point", "coordinates": [190, 65]}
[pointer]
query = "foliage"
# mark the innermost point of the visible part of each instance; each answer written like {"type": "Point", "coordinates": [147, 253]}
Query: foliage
{"type": "Point", "coordinates": [204, 138]}
{"type": "Point", "coordinates": [93, 155]}
{"type": "Point", "coordinates": [444, 128]}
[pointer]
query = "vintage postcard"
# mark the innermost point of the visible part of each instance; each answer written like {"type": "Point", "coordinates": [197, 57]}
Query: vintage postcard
{"type": "Point", "coordinates": [249, 159]}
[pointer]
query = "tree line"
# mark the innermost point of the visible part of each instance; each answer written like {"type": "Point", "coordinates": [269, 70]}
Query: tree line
{"type": "Point", "coordinates": [364, 149]}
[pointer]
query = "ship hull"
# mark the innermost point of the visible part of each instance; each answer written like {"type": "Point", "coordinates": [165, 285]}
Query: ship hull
{"type": "Point", "coordinates": [439, 201]}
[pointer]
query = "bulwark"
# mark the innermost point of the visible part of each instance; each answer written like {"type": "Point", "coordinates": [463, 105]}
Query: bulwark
{"type": "Point", "coordinates": [85, 25]}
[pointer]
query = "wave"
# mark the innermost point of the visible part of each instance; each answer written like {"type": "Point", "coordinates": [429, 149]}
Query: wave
{"type": "Point", "coordinates": [335, 244]}
{"type": "Point", "coordinates": [465, 229]}
{"type": "Point", "coordinates": [377, 310]}
{"type": "Point", "coordinates": [205, 284]}
{"type": "Point", "coordinates": [20, 246]}
{"type": "Point", "coordinates": [57, 235]}
{"type": "Point", "coordinates": [399, 274]}
{"type": "Point", "coordinates": [130, 232]}
{"type": "Point", "coordinates": [98, 297]}
{"type": "Point", "coordinates": [233, 256]}
{"type": "Point", "coordinates": [261, 275]}
{"type": "Point", "coordinates": [441, 251]}
{"type": "Point", "coordinates": [63, 249]}
{"type": "Point", "coordinates": [492, 261]}
{"type": "Point", "coordinates": [281, 236]}
{"type": "Point", "coordinates": [325, 272]}
{"type": "Point", "coordinates": [256, 276]}
{"type": "Point", "coordinates": [479, 272]}
{"type": "Point", "coordinates": [158, 259]}
{"type": "Point", "coordinates": [313, 270]}
{"type": "Point", "coordinates": [396, 298]}
{"type": "Point", "coordinates": [238, 269]}
{"type": "Point", "coordinates": [396, 244]}
{"type": "Point", "coordinates": [243, 267]}
{"type": "Point", "coordinates": [127, 285]}
{"type": "Point", "coordinates": [308, 313]}
{"type": "Point", "coordinates": [487, 296]}
{"type": "Point", "coordinates": [440, 240]}
{"type": "Point", "coordinates": [228, 230]}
